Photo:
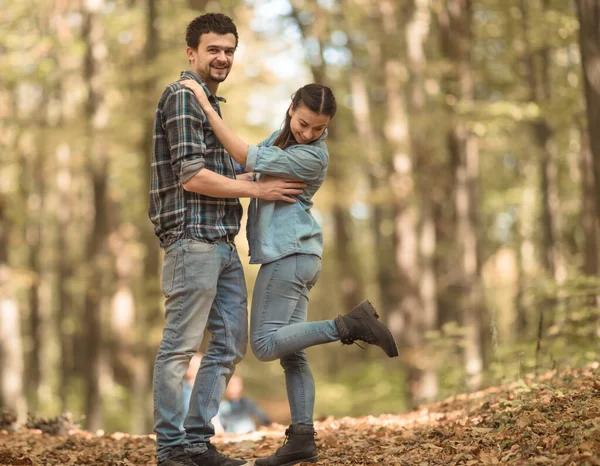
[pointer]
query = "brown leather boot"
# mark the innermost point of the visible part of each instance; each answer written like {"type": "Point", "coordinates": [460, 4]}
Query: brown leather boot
{"type": "Point", "coordinates": [362, 324]}
{"type": "Point", "coordinates": [299, 447]}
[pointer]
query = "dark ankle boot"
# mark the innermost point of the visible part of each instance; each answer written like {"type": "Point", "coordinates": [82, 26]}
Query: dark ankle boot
{"type": "Point", "coordinates": [299, 447]}
{"type": "Point", "coordinates": [211, 457]}
{"type": "Point", "coordinates": [362, 324]}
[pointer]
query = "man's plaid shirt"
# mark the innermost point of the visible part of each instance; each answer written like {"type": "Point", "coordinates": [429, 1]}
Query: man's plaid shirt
{"type": "Point", "coordinates": [184, 144]}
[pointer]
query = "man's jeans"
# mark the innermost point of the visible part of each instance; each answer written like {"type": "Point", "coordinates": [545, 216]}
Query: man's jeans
{"type": "Point", "coordinates": [278, 327]}
{"type": "Point", "coordinates": [204, 287]}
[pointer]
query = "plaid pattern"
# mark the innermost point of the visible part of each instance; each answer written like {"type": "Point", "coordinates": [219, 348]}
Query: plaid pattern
{"type": "Point", "coordinates": [184, 143]}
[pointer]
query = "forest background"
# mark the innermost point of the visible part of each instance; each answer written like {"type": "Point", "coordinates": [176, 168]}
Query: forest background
{"type": "Point", "coordinates": [462, 196]}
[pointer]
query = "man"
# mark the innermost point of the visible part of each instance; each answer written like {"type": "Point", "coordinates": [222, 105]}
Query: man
{"type": "Point", "coordinates": [239, 414]}
{"type": "Point", "coordinates": [196, 213]}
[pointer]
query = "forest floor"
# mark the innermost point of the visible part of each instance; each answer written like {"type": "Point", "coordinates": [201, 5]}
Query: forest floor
{"type": "Point", "coordinates": [551, 420]}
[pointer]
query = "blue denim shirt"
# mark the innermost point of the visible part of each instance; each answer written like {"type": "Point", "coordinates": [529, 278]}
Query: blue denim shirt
{"type": "Point", "coordinates": [278, 229]}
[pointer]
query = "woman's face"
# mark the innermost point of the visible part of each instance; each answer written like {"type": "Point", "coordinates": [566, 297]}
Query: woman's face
{"type": "Point", "coordinates": [306, 125]}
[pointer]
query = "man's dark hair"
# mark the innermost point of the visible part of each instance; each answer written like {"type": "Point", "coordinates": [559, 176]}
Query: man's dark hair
{"type": "Point", "coordinates": [210, 22]}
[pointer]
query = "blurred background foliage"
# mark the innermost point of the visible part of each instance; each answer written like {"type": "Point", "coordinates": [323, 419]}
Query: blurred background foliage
{"type": "Point", "coordinates": [462, 196]}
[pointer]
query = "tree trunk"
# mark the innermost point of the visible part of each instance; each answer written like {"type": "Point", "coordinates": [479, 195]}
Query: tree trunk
{"type": "Point", "coordinates": [406, 320]}
{"type": "Point", "coordinates": [96, 114]}
{"type": "Point", "coordinates": [149, 309]}
{"type": "Point", "coordinates": [589, 41]}
{"type": "Point", "coordinates": [525, 231]}
{"type": "Point", "coordinates": [455, 22]}
{"type": "Point", "coordinates": [589, 221]}
{"type": "Point", "coordinates": [552, 258]}
{"type": "Point", "coordinates": [38, 315]}
{"type": "Point", "coordinates": [12, 367]}
{"type": "Point", "coordinates": [539, 90]}
{"type": "Point", "coordinates": [31, 234]}
{"type": "Point", "coordinates": [589, 213]}
{"type": "Point", "coordinates": [417, 33]}
{"type": "Point", "coordinates": [124, 338]}
{"type": "Point", "coordinates": [366, 81]}
{"type": "Point", "coordinates": [351, 288]}
{"type": "Point", "coordinates": [62, 215]}
{"type": "Point", "coordinates": [64, 275]}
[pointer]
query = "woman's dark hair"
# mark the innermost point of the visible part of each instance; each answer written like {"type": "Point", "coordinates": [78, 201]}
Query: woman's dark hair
{"type": "Point", "coordinates": [210, 22]}
{"type": "Point", "coordinates": [315, 97]}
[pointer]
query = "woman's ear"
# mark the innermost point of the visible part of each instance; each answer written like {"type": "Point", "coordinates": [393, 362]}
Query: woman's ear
{"type": "Point", "coordinates": [291, 110]}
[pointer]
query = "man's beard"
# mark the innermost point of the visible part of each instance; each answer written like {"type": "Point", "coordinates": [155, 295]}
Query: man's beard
{"type": "Point", "coordinates": [218, 77]}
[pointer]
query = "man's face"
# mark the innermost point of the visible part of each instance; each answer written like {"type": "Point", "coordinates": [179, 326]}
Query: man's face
{"type": "Point", "coordinates": [213, 58]}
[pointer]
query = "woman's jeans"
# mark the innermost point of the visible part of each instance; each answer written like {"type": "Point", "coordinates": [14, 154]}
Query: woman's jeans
{"type": "Point", "coordinates": [278, 327]}
{"type": "Point", "coordinates": [204, 288]}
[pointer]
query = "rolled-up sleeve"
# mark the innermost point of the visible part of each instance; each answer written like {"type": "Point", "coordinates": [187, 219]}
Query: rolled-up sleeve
{"type": "Point", "coordinates": [302, 162]}
{"type": "Point", "coordinates": [182, 121]}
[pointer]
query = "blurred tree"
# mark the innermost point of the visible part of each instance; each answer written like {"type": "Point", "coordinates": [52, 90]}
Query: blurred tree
{"type": "Point", "coordinates": [149, 310]}
{"type": "Point", "coordinates": [589, 41]}
{"type": "Point", "coordinates": [457, 41]}
{"type": "Point", "coordinates": [317, 31]}
{"type": "Point", "coordinates": [12, 367]}
{"type": "Point", "coordinates": [589, 214]}
{"type": "Point", "coordinates": [425, 319]}
{"type": "Point", "coordinates": [96, 114]}
{"type": "Point", "coordinates": [362, 23]}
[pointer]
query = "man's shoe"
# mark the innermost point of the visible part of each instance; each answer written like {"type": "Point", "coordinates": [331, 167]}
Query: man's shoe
{"type": "Point", "coordinates": [299, 447]}
{"type": "Point", "coordinates": [212, 457]}
{"type": "Point", "coordinates": [362, 324]}
{"type": "Point", "coordinates": [178, 457]}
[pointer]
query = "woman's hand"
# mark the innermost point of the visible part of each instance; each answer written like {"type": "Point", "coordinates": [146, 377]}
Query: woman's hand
{"type": "Point", "coordinates": [199, 93]}
{"type": "Point", "coordinates": [237, 148]}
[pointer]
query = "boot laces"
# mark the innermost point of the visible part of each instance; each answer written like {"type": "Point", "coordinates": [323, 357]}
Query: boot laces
{"type": "Point", "coordinates": [350, 341]}
{"type": "Point", "coordinates": [370, 339]}
{"type": "Point", "coordinates": [288, 435]}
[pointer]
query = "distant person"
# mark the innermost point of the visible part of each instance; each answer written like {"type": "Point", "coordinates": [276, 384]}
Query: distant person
{"type": "Point", "coordinates": [288, 243]}
{"type": "Point", "coordinates": [238, 414]}
{"type": "Point", "coordinates": [195, 210]}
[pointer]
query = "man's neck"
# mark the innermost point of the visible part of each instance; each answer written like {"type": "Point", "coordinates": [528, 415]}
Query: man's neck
{"type": "Point", "coordinates": [212, 85]}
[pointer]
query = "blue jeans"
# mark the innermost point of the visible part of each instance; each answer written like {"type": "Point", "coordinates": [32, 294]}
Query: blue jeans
{"type": "Point", "coordinates": [279, 330]}
{"type": "Point", "coordinates": [204, 288]}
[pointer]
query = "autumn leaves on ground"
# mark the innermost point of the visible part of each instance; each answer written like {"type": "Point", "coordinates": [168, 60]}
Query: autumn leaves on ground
{"type": "Point", "coordinates": [553, 420]}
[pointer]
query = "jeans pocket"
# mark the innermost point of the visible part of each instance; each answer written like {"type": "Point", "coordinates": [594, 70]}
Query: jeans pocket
{"type": "Point", "coordinates": [168, 272]}
{"type": "Point", "coordinates": [308, 269]}
{"type": "Point", "coordinates": [201, 246]}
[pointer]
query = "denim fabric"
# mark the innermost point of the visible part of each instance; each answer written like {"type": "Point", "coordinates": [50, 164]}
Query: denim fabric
{"type": "Point", "coordinates": [204, 288]}
{"type": "Point", "coordinates": [277, 229]}
{"type": "Point", "coordinates": [278, 327]}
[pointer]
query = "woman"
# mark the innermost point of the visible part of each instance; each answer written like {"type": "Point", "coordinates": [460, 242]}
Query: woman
{"type": "Point", "coordinates": [287, 242]}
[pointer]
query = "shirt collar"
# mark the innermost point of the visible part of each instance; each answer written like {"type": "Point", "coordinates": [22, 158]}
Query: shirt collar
{"type": "Point", "coordinates": [187, 74]}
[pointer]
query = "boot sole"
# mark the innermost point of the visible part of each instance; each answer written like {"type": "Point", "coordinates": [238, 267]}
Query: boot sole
{"type": "Point", "coordinates": [369, 310]}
